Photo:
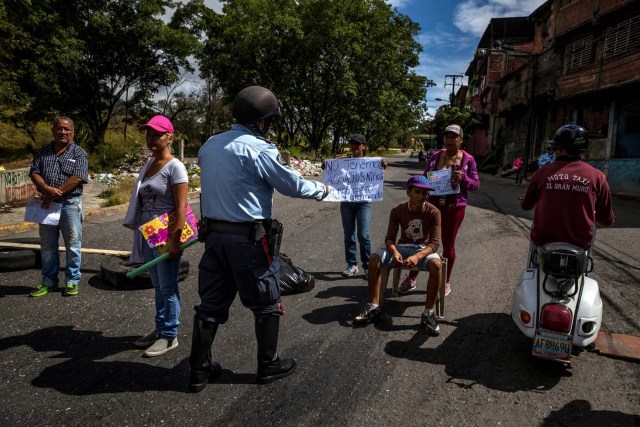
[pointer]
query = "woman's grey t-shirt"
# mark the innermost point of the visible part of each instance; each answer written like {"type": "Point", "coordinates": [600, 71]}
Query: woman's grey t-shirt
{"type": "Point", "coordinates": [156, 192]}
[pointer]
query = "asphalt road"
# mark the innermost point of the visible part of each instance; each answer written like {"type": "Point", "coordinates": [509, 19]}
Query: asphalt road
{"type": "Point", "coordinates": [70, 361]}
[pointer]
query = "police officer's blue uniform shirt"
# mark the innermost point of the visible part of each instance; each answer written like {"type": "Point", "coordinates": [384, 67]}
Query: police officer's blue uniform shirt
{"type": "Point", "coordinates": [238, 173]}
{"type": "Point", "coordinates": [546, 158]}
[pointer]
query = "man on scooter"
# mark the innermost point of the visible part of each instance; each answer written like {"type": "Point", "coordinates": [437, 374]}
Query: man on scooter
{"type": "Point", "coordinates": [569, 195]}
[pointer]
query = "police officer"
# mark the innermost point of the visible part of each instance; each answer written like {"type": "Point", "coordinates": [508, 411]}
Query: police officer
{"type": "Point", "coordinates": [239, 171]}
{"type": "Point", "coordinates": [569, 195]}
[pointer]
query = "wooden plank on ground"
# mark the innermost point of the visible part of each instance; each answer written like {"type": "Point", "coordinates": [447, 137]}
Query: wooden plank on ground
{"type": "Point", "coordinates": [618, 345]}
{"type": "Point", "coordinates": [62, 248]}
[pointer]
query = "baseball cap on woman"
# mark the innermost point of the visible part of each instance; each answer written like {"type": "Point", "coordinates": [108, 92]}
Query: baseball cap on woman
{"type": "Point", "coordinates": [454, 129]}
{"type": "Point", "coordinates": [158, 123]}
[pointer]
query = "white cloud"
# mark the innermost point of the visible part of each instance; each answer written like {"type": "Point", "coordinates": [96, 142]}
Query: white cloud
{"type": "Point", "coordinates": [398, 3]}
{"type": "Point", "coordinates": [473, 16]}
{"type": "Point", "coordinates": [442, 38]}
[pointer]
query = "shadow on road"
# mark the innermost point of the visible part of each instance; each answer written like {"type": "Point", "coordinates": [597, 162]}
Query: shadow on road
{"type": "Point", "coordinates": [84, 373]}
{"type": "Point", "coordinates": [354, 297]}
{"type": "Point", "coordinates": [484, 349]}
{"type": "Point", "coordinates": [579, 412]}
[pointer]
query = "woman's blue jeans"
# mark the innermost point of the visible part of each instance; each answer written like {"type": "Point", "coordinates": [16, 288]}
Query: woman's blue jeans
{"type": "Point", "coordinates": [356, 215]}
{"type": "Point", "coordinates": [70, 226]}
{"type": "Point", "coordinates": [164, 277]}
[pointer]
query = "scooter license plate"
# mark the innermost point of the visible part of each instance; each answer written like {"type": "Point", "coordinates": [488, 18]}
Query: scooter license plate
{"type": "Point", "coordinates": [549, 345]}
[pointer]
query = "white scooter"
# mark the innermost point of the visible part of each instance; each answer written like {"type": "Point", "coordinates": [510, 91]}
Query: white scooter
{"type": "Point", "coordinates": [555, 303]}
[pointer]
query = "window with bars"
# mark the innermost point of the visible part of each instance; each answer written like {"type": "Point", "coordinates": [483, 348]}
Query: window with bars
{"type": "Point", "coordinates": [622, 38]}
{"type": "Point", "coordinates": [578, 54]}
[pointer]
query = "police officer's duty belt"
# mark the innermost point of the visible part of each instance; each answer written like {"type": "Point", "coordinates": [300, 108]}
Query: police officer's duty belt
{"type": "Point", "coordinates": [244, 228]}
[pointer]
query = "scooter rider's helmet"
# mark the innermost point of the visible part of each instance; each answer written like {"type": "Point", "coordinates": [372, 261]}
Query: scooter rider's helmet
{"type": "Point", "coordinates": [573, 138]}
{"type": "Point", "coordinates": [255, 103]}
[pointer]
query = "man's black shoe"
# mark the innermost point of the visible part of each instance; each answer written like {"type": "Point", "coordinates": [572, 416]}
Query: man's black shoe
{"type": "Point", "coordinates": [368, 315]}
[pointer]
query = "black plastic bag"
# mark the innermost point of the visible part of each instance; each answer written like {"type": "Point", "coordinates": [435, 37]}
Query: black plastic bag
{"type": "Point", "coordinates": [294, 280]}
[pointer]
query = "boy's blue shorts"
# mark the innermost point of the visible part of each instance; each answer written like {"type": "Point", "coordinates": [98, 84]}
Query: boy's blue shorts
{"type": "Point", "coordinates": [406, 250]}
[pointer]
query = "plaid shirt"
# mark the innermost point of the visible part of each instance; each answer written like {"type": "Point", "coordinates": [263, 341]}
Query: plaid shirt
{"type": "Point", "coordinates": [56, 170]}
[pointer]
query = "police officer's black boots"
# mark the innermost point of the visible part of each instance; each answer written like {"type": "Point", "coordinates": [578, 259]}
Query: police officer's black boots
{"type": "Point", "coordinates": [270, 366]}
{"type": "Point", "coordinates": [203, 369]}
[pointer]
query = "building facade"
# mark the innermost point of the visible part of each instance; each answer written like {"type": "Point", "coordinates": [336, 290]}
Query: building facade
{"type": "Point", "coordinates": [579, 63]}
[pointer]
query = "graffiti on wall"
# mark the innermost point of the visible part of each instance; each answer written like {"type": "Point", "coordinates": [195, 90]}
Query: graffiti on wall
{"type": "Point", "coordinates": [16, 187]}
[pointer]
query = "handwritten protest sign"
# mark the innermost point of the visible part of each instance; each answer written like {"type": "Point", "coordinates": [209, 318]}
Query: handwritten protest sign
{"type": "Point", "coordinates": [35, 213]}
{"type": "Point", "coordinates": [440, 180]}
{"type": "Point", "coordinates": [358, 179]}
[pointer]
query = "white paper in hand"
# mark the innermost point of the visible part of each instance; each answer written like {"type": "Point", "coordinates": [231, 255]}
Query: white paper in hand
{"type": "Point", "coordinates": [35, 213]}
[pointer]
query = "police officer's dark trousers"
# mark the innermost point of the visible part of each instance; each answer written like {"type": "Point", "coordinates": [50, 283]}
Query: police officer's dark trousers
{"type": "Point", "coordinates": [236, 264]}
{"type": "Point", "coordinates": [203, 368]}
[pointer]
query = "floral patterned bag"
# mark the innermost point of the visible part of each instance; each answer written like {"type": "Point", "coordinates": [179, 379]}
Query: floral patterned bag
{"type": "Point", "coordinates": [158, 231]}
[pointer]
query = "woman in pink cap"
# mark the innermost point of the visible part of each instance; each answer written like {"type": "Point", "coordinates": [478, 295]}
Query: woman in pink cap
{"type": "Point", "coordinates": [161, 187]}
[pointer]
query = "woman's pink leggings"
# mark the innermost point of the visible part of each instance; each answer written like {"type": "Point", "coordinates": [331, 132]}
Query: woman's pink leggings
{"type": "Point", "coordinates": [450, 224]}
{"type": "Point", "coordinates": [450, 221]}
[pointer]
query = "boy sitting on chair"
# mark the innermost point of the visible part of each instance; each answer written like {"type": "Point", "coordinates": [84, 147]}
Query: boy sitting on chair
{"type": "Point", "coordinates": [419, 225]}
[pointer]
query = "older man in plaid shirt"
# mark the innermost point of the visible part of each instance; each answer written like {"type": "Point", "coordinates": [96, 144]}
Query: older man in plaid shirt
{"type": "Point", "coordinates": [59, 171]}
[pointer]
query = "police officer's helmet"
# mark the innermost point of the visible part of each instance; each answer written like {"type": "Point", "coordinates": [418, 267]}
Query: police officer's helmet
{"type": "Point", "coordinates": [255, 103]}
{"type": "Point", "coordinates": [572, 138]}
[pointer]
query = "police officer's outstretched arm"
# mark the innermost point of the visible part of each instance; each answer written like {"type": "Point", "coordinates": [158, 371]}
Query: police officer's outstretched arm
{"type": "Point", "coordinates": [272, 168]}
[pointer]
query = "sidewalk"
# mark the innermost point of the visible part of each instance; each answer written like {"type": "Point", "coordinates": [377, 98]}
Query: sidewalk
{"type": "Point", "coordinates": [12, 222]}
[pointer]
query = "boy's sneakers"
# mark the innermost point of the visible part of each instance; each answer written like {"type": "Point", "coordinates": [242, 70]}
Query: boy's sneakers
{"type": "Point", "coordinates": [430, 324]}
{"type": "Point", "coordinates": [70, 290]}
{"type": "Point", "coordinates": [447, 289]}
{"type": "Point", "coordinates": [161, 346]}
{"type": "Point", "coordinates": [408, 284]}
{"type": "Point", "coordinates": [40, 291]}
{"type": "Point", "coordinates": [351, 270]}
{"type": "Point", "coordinates": [368, 315]}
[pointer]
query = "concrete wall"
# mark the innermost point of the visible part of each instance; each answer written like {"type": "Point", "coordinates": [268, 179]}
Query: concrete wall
{"type": "Point", "coordinates": [623, 175]}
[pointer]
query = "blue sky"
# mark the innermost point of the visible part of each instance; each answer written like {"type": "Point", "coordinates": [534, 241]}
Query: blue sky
{"type": "Point", "coordinates": [450, 32]}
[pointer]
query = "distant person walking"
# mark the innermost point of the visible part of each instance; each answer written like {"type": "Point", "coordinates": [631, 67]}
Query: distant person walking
{"type": "Point", "coordinates": [518, 169]}
{"type": "Point", "coordinates": [59, 171]}
{"type": "Point", "coordinates": [549, 156]}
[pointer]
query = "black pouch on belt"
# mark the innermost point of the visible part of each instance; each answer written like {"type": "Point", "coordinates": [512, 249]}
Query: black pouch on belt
{"type": "Point", "coordinates": [258, 230]}
{"type": "Point", "coordinates": [203, 229]}
{"type": "Point", "coordinates": [274, 235]}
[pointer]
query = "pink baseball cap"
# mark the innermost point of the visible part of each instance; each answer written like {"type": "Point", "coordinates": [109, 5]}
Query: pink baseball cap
{"type": "Point", "coordinates": [158, 123]}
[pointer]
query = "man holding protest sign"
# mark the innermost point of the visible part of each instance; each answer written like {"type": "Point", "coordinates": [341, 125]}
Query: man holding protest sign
{"type": "Point", "coordinates": [354, 185]}
{"type": "Point", "coordinates": [458, 168]}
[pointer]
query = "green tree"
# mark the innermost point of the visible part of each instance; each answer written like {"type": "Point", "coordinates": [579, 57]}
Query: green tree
{"type": "Point", "coordinates": [339, 67]}
{"type": "Point", "coordinates": [82, 58]}
{"type": "Point", "coordinates": [447, 115]}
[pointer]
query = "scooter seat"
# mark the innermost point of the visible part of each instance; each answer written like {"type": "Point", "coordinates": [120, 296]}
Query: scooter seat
{"type": "Point", "coordinates": [562, 259]}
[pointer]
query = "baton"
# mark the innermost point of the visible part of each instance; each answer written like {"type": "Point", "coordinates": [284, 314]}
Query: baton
{"type": "Point", "coordinates": [144, 267]}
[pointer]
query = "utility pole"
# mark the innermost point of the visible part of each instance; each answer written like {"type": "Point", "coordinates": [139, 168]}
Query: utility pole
{"type": "Point", "coordinates": [453, 84]}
